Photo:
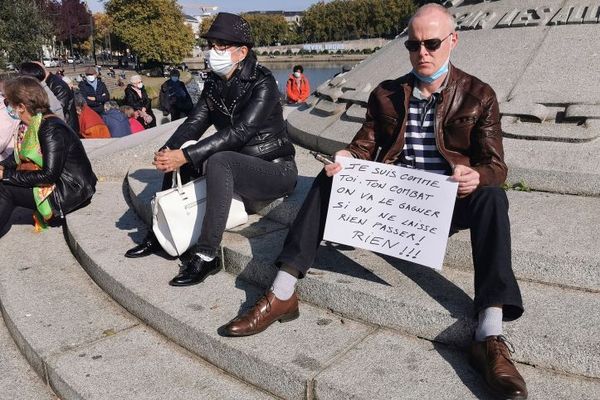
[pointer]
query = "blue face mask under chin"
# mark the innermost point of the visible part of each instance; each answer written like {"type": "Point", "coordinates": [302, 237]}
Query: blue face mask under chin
{"type": "Point", "coordinates": [430, 79]}
{"type": "Point", "coordinates": [174, 78]}
{"type": "Point", "coordinates": [12, 113]}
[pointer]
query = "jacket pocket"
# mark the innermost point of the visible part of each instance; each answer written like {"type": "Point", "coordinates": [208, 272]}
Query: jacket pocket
{"type": "Point", "coordinates": [457, 133]}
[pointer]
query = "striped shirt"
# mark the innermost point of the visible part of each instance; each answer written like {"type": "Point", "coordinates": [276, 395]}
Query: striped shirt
{"type": "Point", "coordinates": [420, 150]}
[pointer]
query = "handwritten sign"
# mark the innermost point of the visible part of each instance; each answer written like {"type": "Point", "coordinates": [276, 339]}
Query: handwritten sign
{"type": "Point", "coordinates": [401, 212]}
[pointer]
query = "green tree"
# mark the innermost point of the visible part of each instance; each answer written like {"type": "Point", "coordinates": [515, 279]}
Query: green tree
{"type": "Point", "coordinates": [23, 30]}
{"type": "Point", "coordinates": [355, 19]}
{"type": "Point", "coordinates": [153, 29]}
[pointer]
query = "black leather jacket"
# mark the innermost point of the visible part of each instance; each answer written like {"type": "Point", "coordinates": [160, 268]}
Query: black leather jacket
{"type": "Point", "coordinates": [65, 164]}
{"type": "Point", "coordinates": [64, 94]}
{"type": "Point", "coordinates": [246, 112]}
{"type": "Point", "coordinates": [101, 95]}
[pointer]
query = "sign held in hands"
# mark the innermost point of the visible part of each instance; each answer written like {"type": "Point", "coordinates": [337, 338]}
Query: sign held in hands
{"type": "Point", "coordinates": [401, 212]}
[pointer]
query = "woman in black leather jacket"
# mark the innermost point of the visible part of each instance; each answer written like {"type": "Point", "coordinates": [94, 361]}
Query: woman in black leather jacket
{"type": "Point", "coordinates": [137, 97]}
{"type": "Point", "coordinates": [250, 154]}
{"type": "Point", "coordinates": [49, 171]}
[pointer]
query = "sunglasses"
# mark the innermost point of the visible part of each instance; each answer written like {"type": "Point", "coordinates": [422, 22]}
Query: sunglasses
{"type": "Point", "coordinates": [430, 44]}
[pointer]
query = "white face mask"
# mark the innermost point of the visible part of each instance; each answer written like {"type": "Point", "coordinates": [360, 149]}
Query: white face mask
{"type": "Point", "coordinates": [139, 85]}
{"type": "Point", "coordinates": [90, 78]}
{"type": "Point", "coordinates": [297, 75]}
{"type": "Point", "coordinates": [221, 64]}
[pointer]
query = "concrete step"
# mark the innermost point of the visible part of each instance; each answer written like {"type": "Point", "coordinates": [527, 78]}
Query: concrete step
{"type": "Point", "coordinates": [17, 379]}
{"type": "Point", "coordinates": [552, 273]}
{"type": "Point", "coordinates": [552, 235]}
{"type": "Point", "coordinates": [82, 344]}
{"type": "Point", "coordinates": [320, 355]}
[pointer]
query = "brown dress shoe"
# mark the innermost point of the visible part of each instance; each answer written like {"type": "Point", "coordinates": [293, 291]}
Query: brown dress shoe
{"type": "Point", "coordinates": [267, 310]}
{"type": "Point", "coordinates": [492, 359]}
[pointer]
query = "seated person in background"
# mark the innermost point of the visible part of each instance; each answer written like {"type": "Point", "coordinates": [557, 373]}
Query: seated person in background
{"type": "Point", "coordinates": [249, 154]}
{"type": "Point", "coordinates": [297, 87]}
{"type": "Point", "coordinates": [174, 97]}
{"type": "Point", "coordinates": [91, 125]}
{"type": "Point", "coordinates": [37, 71]}
{"type": "Point", "coordinates": [117, 122]}
{"type": "Point", "coordinates": [450, 125]}
{"type": "Point", "coordinates": [137, 97]}
{"type": "Point", "coordinates": [50, 172]}
{"type": "Point", "coordinates": [131, 115]}
{"type": "Point", "coordinates": [9, 124]}
{"type": "Point", "coordinates": [93, 90]}
{"type": "Point", "coordinates": [64, 94]}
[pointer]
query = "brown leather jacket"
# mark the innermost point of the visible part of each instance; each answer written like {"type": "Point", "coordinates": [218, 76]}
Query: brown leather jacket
{"type": "Point", "coordinates": [467, 125]}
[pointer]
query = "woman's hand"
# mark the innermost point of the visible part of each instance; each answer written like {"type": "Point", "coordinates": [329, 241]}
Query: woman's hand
{"type": "Point", "coordinates": [334, 168]}
{"type": "Point", "coordinates": [168, 160]}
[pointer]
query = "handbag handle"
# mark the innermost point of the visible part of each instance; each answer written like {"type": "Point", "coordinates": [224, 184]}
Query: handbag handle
{"type": "Point", "coordinates": [177, 180]}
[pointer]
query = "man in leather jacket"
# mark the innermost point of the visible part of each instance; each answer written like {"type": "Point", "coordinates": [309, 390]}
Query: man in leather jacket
{"type": "Point", "coordinates": [250, 154]}
{"type": "Point", "coordinates": [443, 120]}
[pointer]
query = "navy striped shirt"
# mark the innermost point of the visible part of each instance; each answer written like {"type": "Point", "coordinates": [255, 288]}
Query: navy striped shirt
{"type": "Point", "coordinates": [420, 150]}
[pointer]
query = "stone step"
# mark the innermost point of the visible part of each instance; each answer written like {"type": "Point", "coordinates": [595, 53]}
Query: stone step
{"type": "Point", "coordinates": [552, 235]}
{"type": "Point", "coordinates": [320, 355]}
{"type": "Point", "coordinates": [82, 344]}
{"type": "Point", "coordinates": [17, 379]}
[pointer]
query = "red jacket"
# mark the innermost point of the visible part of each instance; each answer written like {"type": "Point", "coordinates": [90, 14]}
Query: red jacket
{"type": "Point", "coordinates": [297, 94]}
{"type": "Point", "coordinates": [91, 125]}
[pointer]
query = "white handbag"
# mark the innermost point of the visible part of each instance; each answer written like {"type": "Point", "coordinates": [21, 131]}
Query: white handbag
{"type": "Point", "coordinates": [177, 214]}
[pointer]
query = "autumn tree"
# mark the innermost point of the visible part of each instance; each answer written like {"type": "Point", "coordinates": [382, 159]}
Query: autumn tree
{"type": "Point", "coordinates": [153, 29]}
{"type": "Point", "coordinates": [23, 30]}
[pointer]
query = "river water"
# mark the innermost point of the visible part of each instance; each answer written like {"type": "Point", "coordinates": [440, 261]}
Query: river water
{"type": "Point", "coordinates": [315, 72]}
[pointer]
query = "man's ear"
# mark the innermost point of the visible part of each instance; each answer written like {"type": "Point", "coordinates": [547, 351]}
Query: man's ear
{"type": "Point", "coordinates": [454, 40]}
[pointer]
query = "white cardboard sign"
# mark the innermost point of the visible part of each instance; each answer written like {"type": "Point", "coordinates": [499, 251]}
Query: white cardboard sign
{"type": "Point", "coordinates": [401, 212]}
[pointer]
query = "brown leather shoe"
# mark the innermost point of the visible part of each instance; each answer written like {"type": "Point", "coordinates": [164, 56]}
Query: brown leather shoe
{"type": "Point", "coordinates": [267, 310]}
{"type": "Point", "coordinates": [492, 359]}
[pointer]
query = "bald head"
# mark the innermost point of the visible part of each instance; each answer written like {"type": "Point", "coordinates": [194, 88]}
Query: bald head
{"type": "Point", "coordinates": [434, 13]}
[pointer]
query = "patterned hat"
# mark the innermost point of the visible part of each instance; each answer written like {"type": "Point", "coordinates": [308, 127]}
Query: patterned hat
{"type": "Point", "coordinates": [230, 28]}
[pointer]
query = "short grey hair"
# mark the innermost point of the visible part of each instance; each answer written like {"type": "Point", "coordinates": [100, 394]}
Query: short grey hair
{"type": "Point", "coordinates": [434, 6]}
{"type": "Point", "coordinates": [111, 105]}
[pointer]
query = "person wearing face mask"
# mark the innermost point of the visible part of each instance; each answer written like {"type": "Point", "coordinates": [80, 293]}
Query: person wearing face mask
{"type": "Point", "coordinates": [94, 91]}
{"type": "Point", "coordinates": [174, 97]}
{"type": "Point", "coordinates": [9, 124]}
{"type": "Point", "coordinates": [49, 171]}
{"type": "Point", "coordinates": [440, 119]}
{"type": "Point", "coordinates": [137, 97]}
{"type": "Point", "coordinates": [250, 154]}
{"type": "Point", "coordinates": [297, 87]}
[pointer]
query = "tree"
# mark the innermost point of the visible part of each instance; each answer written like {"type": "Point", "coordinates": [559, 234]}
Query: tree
{"type": "Point", "coordinates": [153, 29]}
{"type": "Point", "coordinates": [23, 30]}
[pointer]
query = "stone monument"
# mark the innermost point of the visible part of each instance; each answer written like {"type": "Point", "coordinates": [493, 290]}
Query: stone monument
{"type": "Point", "coordinates": [541, 57]}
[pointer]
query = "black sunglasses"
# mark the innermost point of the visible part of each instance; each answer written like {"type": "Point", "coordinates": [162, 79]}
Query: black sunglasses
{"type": "Point", "coordinates": [430, 44]}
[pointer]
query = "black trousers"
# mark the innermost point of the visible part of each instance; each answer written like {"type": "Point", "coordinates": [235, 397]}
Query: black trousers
{"type": "Point", "coordinates": [484, 212]}
{"type": "Point", "coordinates": [12, 197]}
{"type": "Point", "coordinates": [229, 172]}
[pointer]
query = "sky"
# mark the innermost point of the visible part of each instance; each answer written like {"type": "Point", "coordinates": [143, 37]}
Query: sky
{"type": "Point", "coordinates": [235, 6]}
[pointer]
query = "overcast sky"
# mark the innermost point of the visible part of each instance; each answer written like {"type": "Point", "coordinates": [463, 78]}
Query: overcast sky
{"type": "Point", "coordinates": [235, 6]}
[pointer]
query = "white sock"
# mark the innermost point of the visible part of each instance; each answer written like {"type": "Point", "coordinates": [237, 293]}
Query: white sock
{"type": "Point", "coordinates": [284, 285]}
{"type": "Point", "coordinates": [490, 323]}
{"type": "Point", "coordinates": [205, 258]}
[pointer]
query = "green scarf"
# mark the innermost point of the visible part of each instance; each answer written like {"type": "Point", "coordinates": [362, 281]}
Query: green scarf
{"type": "Point", "coordinates": [29, 150]}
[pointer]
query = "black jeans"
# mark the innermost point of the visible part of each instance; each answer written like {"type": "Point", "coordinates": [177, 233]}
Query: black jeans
{"type": "Point", "coordinates": [484, 212]}
{"type": "Point", "coordinates": [229, 172]}
{"type": "Point", "coordinates": [11, 197]}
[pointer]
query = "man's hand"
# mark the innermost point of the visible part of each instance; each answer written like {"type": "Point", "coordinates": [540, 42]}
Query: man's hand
{"type": "Point", "coordinates": [334, 168]}
{"type": "Point", "coordinates": [467, 178]}
{"type": "Point", "coordinates": [92, 98]}
{"type": "Point", "coordinates": [168, 160]}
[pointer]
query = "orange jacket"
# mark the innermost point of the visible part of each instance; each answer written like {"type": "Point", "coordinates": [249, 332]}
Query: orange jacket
{"type": "Point", "coordinates": [91, 125]}
{"type": "Point", "coordinates": [297, 94]}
